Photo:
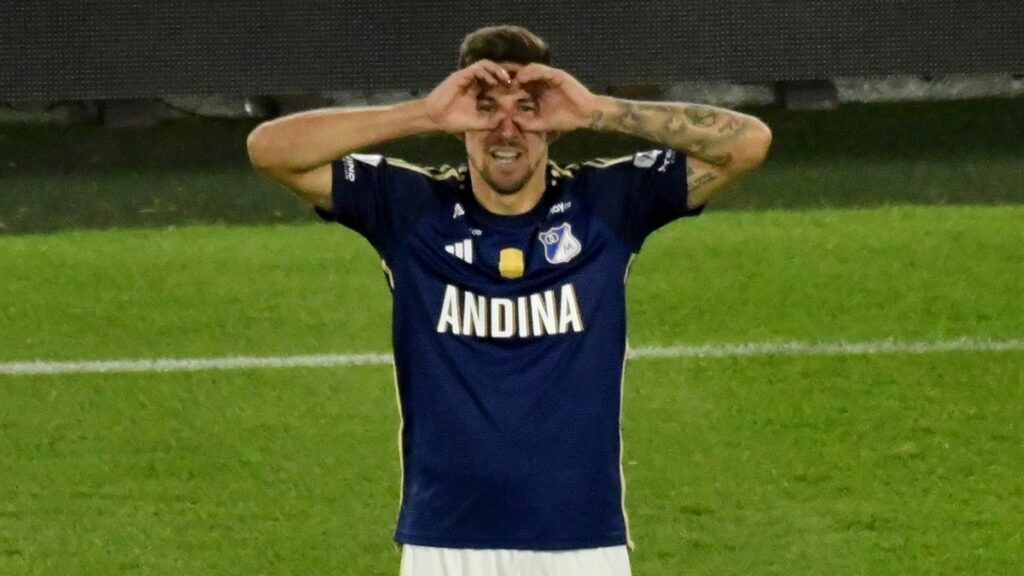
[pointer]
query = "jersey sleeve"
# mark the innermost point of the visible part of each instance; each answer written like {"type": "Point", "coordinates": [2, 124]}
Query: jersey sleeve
{"type": "Point", "coordinates": [637, 195]}
{"type": "Point", "coordinates": [373, 198]}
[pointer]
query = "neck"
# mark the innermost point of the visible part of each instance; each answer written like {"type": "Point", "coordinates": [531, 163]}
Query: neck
{"type": "Point", "coordinates": [520, 202]}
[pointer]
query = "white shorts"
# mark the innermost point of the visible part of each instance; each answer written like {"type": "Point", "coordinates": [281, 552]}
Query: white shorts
{"type": "Point", "coordinates": [429, 561]}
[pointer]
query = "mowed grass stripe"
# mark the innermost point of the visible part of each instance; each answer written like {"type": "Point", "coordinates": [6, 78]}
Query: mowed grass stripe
{"type": "Point", "coordinates": [38, 368]}
{"type": "Point", "coordinates": [917, 274]}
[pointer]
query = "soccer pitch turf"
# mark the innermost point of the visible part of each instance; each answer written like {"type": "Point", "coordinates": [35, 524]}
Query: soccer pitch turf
{"type": "Point", "coordinates": [853, 463]}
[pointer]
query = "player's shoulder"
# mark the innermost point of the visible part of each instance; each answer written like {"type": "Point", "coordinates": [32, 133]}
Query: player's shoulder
{"type": "Point", "coordinates": [596, 174]}
{"type": "Point", "coordinates": [607, 167]}
{"type": "Point", "coordinates": [414, 186]}
{"type": "Point", "coordinates": [577, 169]}
{"type": "Point", "coordinates": [444, 174]}
{"type": "Point", "coordinates": [426, 189]}
{"type": "Point", "coordinates": [397, 170]}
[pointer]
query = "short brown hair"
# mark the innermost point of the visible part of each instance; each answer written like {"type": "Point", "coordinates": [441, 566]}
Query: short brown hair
{"type": "Point", "coordinates": [504, 43]}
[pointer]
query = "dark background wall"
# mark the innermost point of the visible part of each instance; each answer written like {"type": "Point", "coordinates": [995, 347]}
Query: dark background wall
{"type": "Point", "coordinates": [135, 49]}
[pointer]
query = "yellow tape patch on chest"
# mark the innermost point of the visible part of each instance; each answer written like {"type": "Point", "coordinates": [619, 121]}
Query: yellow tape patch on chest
{"type": "Point", "coordinates": [511, 263]}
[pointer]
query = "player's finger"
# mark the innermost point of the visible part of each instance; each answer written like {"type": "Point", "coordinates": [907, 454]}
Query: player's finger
{"type": "Point", "coordinates": [484, 75]}
{"type": "Point", "coordinates": [497, 71]}
{"type": "Point", "coordinates": [477, 73]}
{"type": "Point", "coordinates": [467, 78]}
{"type": "Point", "coordinates": [490, 72]}
{"type": "Point", "coordinates": [535, 73]}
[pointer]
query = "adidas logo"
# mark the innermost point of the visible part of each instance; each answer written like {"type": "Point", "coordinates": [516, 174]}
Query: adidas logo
{"type": "Point", "coordinates": [461, 250]}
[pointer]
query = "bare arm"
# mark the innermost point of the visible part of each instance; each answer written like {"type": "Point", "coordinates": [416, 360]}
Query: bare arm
{"type": "Point", "coordinates": [721, 145]}
{"type": "Point", "coordinates": [298, 150]}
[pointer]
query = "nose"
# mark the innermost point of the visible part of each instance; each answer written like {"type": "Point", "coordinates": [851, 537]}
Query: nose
{"type": "Point", "coordinates": [508, 128]}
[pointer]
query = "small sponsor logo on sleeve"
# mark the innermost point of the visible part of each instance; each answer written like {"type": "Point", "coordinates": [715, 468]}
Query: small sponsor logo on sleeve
{"type": "Point", "coordinates": [646, 159]}
{"type": "Point", "coordinates": [371, 159]}
{"type": "Point", "coordinates": [350, 169]}
{"type": "Point", "coordinates": [350, 164]}
{"type": "Point", "coordinates": [670, 157]}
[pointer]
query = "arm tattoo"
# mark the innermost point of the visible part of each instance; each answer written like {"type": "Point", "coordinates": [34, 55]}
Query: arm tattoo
{"type": "Point", "coordinates": [700, 116]}
{"type": "Point", "coordinates": [704, 132]}
{"type": "Point", "coordinates": [695, 183]}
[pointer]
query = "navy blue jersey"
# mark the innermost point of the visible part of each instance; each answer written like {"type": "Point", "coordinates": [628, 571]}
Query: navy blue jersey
{"type": "Point", "coordinates": [509, 337]}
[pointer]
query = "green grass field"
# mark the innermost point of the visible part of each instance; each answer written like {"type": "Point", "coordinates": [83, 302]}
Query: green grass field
{"type": "Point", "coordinates": [900, 464]}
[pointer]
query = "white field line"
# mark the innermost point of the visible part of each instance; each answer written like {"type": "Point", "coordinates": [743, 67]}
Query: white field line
{"type": "Point", "coordinates": [42, 367]}
{"type": "Point", "coordinates": [828, 348]}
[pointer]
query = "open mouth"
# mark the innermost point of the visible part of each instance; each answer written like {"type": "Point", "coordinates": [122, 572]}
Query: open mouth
{"type": "Point", "coordinates": [506, 155]}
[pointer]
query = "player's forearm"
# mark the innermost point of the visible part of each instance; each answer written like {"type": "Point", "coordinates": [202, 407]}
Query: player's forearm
{"type": "Point", "coordinates": [307, 140]}
{"type": "Point", "coordinates": [724, 138]}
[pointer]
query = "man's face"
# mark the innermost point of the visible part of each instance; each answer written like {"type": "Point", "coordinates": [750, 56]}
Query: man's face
{"type": "Point", "coordinates": [506, 156]}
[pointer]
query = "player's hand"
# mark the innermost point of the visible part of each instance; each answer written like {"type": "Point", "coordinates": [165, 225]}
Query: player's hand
{"type": "Point", "coordinates": [452, 105]}
{"type": "Point", "coordinates": [564, 104]}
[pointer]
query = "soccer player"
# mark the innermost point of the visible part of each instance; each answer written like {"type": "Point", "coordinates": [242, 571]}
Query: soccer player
{"type": "Point", "coordinates": [508, 284]}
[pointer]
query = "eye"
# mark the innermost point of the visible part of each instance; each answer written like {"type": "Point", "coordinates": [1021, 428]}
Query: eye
{"type": "Point", "coordinates": [527, 107]}
{"type": "Point", "coordinates": [486, 106]}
